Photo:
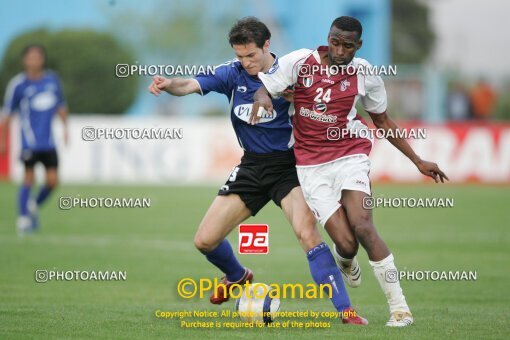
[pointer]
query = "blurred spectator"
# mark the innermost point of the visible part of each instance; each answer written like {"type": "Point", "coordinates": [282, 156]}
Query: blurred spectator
{"type": "Point", "coordinates": [411, 99]}
{"type": "Point", "coordinates": [458, 103]}
{"type": "Point", "coordinates": [483, 100]}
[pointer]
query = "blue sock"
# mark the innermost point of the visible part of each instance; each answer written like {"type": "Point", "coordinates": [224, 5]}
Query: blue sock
{"type": "Point", "coordinates": [223, 257]}
{"type": "Point", "coordinates": [23, 196]}
{"type": "Point", "coordinates": [43, 194]}
{"type": "Point", "coordinates": [324, 271]}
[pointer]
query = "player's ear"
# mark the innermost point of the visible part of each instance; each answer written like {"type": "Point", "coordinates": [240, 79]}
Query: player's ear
{"type": "Point", "coordinates": [360, 43]}
{"type": "Point", "coordinates": [265, 48]}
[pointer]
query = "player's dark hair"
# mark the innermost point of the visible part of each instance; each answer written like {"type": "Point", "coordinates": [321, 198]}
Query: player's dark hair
{"type": "Point", "coordinates": [350, 24]}
{"type": "Point", "coordinates": [249, 30]}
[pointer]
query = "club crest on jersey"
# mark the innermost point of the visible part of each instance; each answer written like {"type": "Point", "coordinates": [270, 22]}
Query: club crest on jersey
{"type": "Point", "coordinates": [320, 108]}
{"type": "Point", "coordinates": [344, 84]}
{"type": "Point", "coordinates": [308, 81]}
{"type": "Point", "coordinates": [243, 112]}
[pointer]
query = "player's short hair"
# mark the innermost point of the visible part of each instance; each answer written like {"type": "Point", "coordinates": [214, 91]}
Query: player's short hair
{"type": "Point", "coordinates": [350, 24]}
{"type": "Point", "coordinates": [249, 30]}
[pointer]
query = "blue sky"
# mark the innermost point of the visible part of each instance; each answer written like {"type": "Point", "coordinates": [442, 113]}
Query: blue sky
{"type": "Point", "coordinates": [292, 29]}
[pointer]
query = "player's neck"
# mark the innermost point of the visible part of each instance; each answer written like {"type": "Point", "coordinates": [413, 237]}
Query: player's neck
{"type": "Point", "coordinates": [34, 74]}
{"type": "Point", "coordinates": [324, 58]}
{"type": "Point", "coordinates": [269, 62]}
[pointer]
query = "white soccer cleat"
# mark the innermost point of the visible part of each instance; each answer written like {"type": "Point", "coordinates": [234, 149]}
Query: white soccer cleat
{"type": "Point", "coordinates": [400, 319]}
{"type": "Point", "coordinates": [24, 225]}
{"type": "Point", "coordinates": [350, 273]}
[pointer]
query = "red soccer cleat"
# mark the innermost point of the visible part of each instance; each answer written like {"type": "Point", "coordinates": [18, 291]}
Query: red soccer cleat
{"type": "Point", "coordinates": [351, 317]}
{"type": "Point", "coordinates": [219, 296]}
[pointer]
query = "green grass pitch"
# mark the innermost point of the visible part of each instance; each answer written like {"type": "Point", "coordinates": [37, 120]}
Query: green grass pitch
{"type": "Point", "coordinates": [155, 247]}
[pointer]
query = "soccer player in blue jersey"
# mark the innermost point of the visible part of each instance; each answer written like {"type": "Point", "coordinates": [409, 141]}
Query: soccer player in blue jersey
{"type": "Point", "coordinates": [37, 95]}
{"type": "Point", "coordinates": [267, 169]}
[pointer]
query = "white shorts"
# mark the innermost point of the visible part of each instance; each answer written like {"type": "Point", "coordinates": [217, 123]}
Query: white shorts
{"type": "Point", "coordinates": [322, 185]}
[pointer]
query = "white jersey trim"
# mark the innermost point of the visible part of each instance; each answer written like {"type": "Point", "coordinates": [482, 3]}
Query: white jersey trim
{"type": "Point", "coordinates": [9, 93]}
{"type": "Point", "coordinates": [334, 160]}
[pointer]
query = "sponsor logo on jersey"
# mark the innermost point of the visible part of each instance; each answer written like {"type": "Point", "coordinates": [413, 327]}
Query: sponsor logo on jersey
{"type": "Point", "coordinates": [243, 112]}
{"type": "Point", "coordinates": [317, 117]}
{"type": "Point", "coordinates": [320, 108]}
{"type": "Point", "coordinates": [43, 101]}
{"type": "Point", "coordinates": [327, 80]}
{"type": "Point", "coordinates": [344, 84]}
{"type": "Point", "coordinates": [241, 89]}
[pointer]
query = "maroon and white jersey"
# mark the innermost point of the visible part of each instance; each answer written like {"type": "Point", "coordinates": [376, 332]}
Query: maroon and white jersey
{"type": "Point", "coordinates": [326, 123]}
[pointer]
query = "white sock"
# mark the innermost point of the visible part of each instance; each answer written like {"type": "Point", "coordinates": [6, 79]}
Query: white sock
{"type": "Point", "coordinates": [387, 275]}
{"type": "Point", "coordinates": [345, 262]}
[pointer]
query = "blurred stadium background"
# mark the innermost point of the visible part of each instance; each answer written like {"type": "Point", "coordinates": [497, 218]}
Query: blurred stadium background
{"type": "Point", "coordinates": [453, 79]}
{"type": "Point", "coordinates": [445, 81]}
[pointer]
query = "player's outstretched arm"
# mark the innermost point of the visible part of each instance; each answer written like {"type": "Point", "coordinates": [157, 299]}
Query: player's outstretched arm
{"type": "Point", "coordinates": [4, 127]}
{"type": "Point", "coordinates": [63, 112]}
{"type": "Point", "coordinates": [173, 86]}
{"type": "Point", "coordinates": [261, 101]}
{"type": "Point", "coordinates": [383, 121]}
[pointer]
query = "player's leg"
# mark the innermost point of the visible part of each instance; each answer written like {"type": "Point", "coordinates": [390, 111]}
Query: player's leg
{"type": "Point", "coordinates": [50, 161]}
{"type": "Point", "coordinates": [240, 197]}
{"type": "Point", "coordinates": [380, 257]}
{"type": "Point", "coordinates": [320, 260]}
{"type": "Point", "coordinates": [24, 222]}
{"type": "Point", "coordinates": [224, 214]}
{"type": "Point", "coordinates": [345, 247]}
{"type": "Point", "coordinates": [49, 185]}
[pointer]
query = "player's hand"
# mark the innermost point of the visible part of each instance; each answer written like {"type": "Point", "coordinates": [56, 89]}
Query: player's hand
{"type": "Point", "coordinates": [258, 109]}
{"type": "Point", "coordinates": [288, 94]}
{"type": "Point", "coordinates": [159, 84]}
{"type": "Point", "coordinates": [432, 170]}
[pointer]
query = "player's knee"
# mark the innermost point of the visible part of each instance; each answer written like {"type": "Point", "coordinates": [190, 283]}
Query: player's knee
{"type": "Point", "coordinates": [52, 183]}
{"type": "Point", "coordinates": [347, 247]}
{"type": "Point", "coordinates": [307, 233]}
{"type": "Point", "coordinates": [202, 244]}
{"type": "Point", "coordinates": [28, 182]}
{"type": "Point", "coordinates": [309, 237]}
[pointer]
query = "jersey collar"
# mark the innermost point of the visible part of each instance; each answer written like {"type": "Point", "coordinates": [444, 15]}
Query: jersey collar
{"type": "Point", "coordinates": [273, 67]}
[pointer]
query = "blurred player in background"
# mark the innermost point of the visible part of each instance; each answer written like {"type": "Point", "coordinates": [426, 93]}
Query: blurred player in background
{"type": "Point", "coordinates": [37, 95]}
{"type": "Point", "coordinates": [333, 169]}
{"type": "Point", "coordinates": [267, 170]}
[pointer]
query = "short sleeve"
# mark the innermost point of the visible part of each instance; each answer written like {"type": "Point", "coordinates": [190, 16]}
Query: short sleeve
{"type": "Point", "coordinates": [221, 81]}
{"type": "Point", "coordinates": [285, 74]}
{"type": "Point", "coordinates": [13, 94]}
{"type": "Point", "coordinates": [375, 99]}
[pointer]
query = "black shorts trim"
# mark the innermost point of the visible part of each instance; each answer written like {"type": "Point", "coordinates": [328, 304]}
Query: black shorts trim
{"type": "Point", "coordinates": [261, 178]}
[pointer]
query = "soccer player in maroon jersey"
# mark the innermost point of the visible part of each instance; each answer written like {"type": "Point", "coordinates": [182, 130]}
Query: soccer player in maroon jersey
{"type": "Point", "coordinates": [331, 153]}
